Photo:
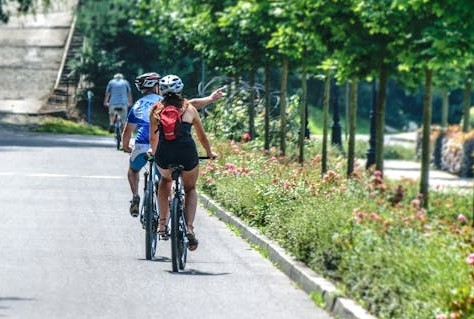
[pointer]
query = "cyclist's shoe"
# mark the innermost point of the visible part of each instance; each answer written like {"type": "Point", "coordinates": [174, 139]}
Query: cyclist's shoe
{"type": "Point", "coordinates": [135, 206]}
{"type": "Point", "coordinates": [192, 241]}
{"type": "Point", "coordinates": [111, 128]}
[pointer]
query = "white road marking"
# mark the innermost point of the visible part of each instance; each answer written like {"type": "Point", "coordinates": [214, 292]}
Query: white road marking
{"type": "Point", "coordinates": [60, 175]}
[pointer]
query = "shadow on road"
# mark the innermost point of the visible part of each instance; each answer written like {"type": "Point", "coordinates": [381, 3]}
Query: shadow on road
{"type": "Point", "coordinates": [193, 272]}
{"type": "Point", "coordinates": [32, 139]}
{"type": "Point", "coordinates": [7, 300]}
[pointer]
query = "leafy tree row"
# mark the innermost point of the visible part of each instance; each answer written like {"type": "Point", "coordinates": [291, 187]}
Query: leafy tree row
{"type": "Point", "coordinates": [412, 40]}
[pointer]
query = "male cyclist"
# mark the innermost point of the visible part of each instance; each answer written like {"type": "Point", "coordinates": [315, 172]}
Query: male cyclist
{"type": "Point", "coordinates": [138, 119]}
{"type": "Point", "coordinates": [118, 96]}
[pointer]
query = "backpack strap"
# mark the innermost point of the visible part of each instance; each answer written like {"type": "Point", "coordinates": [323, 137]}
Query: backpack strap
{"type": "Point", "coordinates": [155, 112]}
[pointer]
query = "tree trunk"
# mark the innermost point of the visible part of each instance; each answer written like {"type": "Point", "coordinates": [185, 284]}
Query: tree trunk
{"type": "Point", "coordinates": [347, 105]}
{"type": "Point", "coordinates": [327, 89]}
{"type": "Point", "coordinates": [467, 105]}
{"type": "Point", "coordinates": [304, 86]}
{"type": "Point", "coordinates": [373, 110]}
{"type": "Point", "coordinates": [425, 150]}
{"type": "Point", "coordinates": [352, 115]}
{"type": "Point", "coordinates": [251, 105]}
{"type": "Point", "coordinates": [336, 139]}
{"type": "Point", "coordinates": [284, 83]}
{"type": "Point", "coordinates": [380, 118]}
{"type": "Point", "coordinates": [445, 109]}
{"type": "Point", "coordinates": [267, 107]}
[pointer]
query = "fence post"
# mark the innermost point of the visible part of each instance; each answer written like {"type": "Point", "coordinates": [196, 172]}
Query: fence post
{"type": "Point", "coordinates": [89, 105]}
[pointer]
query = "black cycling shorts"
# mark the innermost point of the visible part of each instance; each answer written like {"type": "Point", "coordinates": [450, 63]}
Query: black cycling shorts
{"type": "Point", "coordinates": [177, 152]}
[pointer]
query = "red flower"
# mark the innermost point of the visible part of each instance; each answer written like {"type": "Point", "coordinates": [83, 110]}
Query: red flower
{"type": "Point", "coordinates": [246, 137]}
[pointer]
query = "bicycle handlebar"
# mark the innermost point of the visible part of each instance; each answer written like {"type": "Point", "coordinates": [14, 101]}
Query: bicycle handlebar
{"type": "Point", "coordinates": [149, 157]}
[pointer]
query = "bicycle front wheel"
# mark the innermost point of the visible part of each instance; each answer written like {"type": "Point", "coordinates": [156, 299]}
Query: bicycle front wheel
{"type": "Point", "coordinates": [150, 220]}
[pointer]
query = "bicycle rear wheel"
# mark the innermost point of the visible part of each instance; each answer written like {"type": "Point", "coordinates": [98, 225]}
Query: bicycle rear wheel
{"type": "Point", "coordinates": [118, 135]}
{"type": "Point", "coordinates": [174, 233]}
{"type": "Point", "coordinates": [151, 218]}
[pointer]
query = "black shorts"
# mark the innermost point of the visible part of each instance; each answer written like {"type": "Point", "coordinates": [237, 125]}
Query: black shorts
{"type": "Point", "coordinates": [177, 152]}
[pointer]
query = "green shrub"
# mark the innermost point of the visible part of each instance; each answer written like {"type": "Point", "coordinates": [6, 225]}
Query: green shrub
{"type": "Point", "coordinates": [367, 234]}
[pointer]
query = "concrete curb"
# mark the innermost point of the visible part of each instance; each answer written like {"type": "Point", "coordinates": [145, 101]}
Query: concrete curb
{"type": "Point", "coordinates": [403, 139]}
{"type": "Point", "coordinates": [302, 275]}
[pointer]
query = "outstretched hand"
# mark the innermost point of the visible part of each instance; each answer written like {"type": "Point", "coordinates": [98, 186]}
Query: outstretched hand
{"type": "Point", "coordinates": [217, 94]}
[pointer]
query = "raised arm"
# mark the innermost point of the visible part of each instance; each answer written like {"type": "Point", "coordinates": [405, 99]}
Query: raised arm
{"type": "Point", "coordinates": [201, 134]}
{"type": "Point", "coordinates": [201, 102]}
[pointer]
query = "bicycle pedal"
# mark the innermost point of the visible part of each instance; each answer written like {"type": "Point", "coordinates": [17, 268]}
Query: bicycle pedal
{"type": "Point", "coordinates": [164, 236]}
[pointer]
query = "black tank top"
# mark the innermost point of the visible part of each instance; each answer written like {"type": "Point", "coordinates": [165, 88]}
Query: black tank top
{"type": "Point", "coordinates": [183, 134]}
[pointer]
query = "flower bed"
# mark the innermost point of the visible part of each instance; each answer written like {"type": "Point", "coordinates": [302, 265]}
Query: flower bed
{"type": "Point", "coordinates": [368, 235]}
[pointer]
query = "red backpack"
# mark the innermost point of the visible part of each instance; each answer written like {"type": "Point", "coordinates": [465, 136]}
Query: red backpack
{"type": "Point", "coordinates": [170, 122]}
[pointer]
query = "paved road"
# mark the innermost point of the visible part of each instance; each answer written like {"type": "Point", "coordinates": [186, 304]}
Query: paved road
{"type": "Point", "coordinates": [69, 248]}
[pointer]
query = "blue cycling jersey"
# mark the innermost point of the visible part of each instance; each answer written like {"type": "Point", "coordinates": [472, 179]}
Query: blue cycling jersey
{"type": "Point", "coordinates": [139, 115]}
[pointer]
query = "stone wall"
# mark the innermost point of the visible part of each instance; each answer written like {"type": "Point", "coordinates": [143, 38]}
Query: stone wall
{"type": "Point", "coordinates": [31, 50]}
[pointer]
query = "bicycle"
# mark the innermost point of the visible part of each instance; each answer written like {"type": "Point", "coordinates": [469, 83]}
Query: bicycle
{"type": "Point", "coordinates": [179, 240]}
{"type": "Point", "coordinates": [118, 127]}
{"type": "Point", "coordinates": [149, 213]}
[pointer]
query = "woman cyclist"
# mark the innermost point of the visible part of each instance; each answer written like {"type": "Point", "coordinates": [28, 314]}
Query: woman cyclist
{"type": "Point", "coordinates": [181, 150]}
{"type": "Point", "coordinates": [138, 123]}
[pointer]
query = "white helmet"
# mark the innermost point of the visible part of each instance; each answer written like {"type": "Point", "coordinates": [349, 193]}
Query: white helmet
{"type": "Point", "coordinates": [171, 84]}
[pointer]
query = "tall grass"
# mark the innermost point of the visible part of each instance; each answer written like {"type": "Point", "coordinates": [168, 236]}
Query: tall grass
{"type": "Point", "coordinates": [62, 126]}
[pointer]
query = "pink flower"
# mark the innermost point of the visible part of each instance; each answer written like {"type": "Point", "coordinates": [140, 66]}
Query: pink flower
{"type": "Point", "coordinates": [441, 316]}
{"type": "Point", "coordinates": [415, 203]}
{"type": "Point", "coordinates": [470, 260]}
{"type": "Point", "coordinates": [374, 216]}
{"type": "Point", "coordinates": [246, 137]}
{"type": "Point", "coordinates": [421, 215]}
{"type": "Point", "coordinates": [230, 166]}
{"type": "Point", "coordinates": [462, 218]}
